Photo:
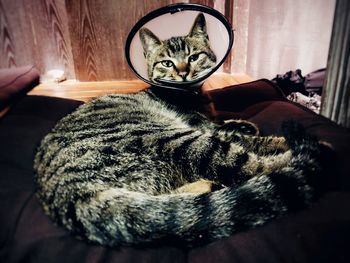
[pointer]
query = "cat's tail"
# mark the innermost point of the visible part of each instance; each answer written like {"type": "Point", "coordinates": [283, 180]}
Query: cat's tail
{"type": "Point", "coordinates": [119, 217]}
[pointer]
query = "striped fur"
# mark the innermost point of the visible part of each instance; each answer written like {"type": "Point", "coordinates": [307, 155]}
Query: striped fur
{"type": "Point", "coordinates": [110, 172]}
{"type": "Point", "coordinates": [182, 58]}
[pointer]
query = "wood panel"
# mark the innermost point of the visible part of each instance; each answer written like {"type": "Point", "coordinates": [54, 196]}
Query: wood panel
{"type": "Point", "coordinates": [57, 22]}
{"type": "Point", "coordinates": [229, 16]}
{"type": "Point", "coordinates": [35, 32]}
{"type": "Point", "coordinates": [84, 38]}
{"type": "Point", "coordinates": [6, 41]}
{"type": "Point", "coordinates": [99, 30]}
{"type": "Point", "coordinates": [240, 24]}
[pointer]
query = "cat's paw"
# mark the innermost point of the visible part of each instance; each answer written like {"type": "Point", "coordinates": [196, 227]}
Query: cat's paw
{"type": "Point", "coordinates": [241, 126]}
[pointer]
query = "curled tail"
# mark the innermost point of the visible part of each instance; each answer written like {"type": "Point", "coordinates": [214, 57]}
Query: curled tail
{"type": "Point", "coordinates": [116, 216]}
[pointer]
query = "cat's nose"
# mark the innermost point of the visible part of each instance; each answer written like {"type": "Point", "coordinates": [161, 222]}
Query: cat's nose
{"type": "Point", "coordinates": [182, 69]}
{"type": "Point", "coordinates": [183, 74]}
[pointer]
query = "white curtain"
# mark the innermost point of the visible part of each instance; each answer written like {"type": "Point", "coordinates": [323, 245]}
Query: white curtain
{"type": "Point", "coordinates": [336, 94]}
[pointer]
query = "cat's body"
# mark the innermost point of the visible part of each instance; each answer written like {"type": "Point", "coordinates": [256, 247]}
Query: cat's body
{"type": "Point", "coordinates": [131, 169]}
{"type": "Point", "coordinates": [114, 172]}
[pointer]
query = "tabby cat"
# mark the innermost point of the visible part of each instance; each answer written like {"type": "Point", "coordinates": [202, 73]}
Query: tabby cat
{"type": "Point", "coordinates": [182, 58]}
{"type": "Point", "coordinates": [134, 169]}
{"type": "Point", "coordinates": [130, 169]}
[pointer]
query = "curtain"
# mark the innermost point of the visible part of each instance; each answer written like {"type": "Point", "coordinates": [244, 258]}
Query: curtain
{"type": "Point", "coordinates": [336, 94]}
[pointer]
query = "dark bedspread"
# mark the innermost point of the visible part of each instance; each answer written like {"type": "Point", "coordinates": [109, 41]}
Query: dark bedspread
{"type": "Point", "coordinates": [320, 233]}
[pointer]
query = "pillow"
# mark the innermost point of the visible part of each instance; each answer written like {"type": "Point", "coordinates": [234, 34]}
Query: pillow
{"type": "Point", "coordinates": [15, 83]}
{"type": "Point", "coordinates": [238, 97]}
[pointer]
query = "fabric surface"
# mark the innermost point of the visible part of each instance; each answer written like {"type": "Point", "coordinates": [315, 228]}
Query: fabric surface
{"type": "Point", "coordinates": [320, 233]}
{"type": "Point", "coordinates": [16, 82]}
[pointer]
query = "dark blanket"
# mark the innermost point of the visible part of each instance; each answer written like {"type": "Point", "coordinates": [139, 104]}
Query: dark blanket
{"type": "Point", "coordinates": [320, 233]}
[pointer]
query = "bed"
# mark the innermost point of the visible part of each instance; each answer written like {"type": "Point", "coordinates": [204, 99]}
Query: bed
{"type": "Point", "coordinates": [320, 233]}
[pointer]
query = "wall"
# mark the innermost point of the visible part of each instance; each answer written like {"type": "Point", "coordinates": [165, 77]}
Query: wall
{"type": "Point", "coordinates": [83, 37]}
{"type": "Point", "coordinates": [35, 32]}
{"type": "Point", "coordinates": [86, 37]}
{"type": "Point", "coordinates": [285, 35]}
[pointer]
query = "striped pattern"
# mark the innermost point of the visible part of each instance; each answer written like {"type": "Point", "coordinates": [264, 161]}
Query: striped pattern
{"type": "Point", "coordinates": [110, 170]}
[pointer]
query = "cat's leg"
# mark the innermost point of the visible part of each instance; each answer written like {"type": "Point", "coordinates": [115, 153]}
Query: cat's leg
{"type": "Point", "coordinates": [239, 167]}
{"type": "Point", "coordinates": [203, 154]}
{"type": "Point", "coordinates": [224, 157]}
{"type": "Point", "coordinates": [262, 145]}
{"type": "Point", "coordinates": [241, 131]}
{"type": "Point", "coordinates": [275, 144]}
{"type": "Point", "coordinates": [263, 157]}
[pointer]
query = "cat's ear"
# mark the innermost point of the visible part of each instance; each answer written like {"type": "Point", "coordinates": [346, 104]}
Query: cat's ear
{"type": "Point", "coordinates": [149, 40]}
{"type": "Point", "coordinates": [199, 28]}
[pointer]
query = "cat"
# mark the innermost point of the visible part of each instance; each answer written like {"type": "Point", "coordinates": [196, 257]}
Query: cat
{"type": "Point", "coordinates": [130, 169]}
{"type": "Point", "coordinates": [148, 167]}
{"type": "Point", "coordinates": [183, 58]}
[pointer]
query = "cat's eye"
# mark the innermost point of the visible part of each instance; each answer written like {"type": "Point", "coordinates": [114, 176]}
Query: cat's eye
{"type": "Point", "coordinates": [167, 63]}
{"type": "Point", "coordinates": [193, 58]}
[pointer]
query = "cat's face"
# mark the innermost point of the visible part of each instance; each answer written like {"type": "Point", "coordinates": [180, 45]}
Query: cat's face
{"type": "Point", "coordinates": [182, 58]}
